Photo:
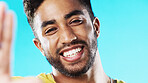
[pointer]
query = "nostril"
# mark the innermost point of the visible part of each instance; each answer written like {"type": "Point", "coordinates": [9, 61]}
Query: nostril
{"type": "Point", "coordinates": [69, 38]}
{"type": "Point", "coordinates": [74, 38]}
{"type": "Point", "coordinates": [69, 42]}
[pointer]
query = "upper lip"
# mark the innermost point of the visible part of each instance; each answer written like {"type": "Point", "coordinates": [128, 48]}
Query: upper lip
{"type": "Point", "coordinates": [69, 48]}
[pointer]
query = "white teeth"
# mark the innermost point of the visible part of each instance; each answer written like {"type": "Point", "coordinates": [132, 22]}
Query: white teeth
{"type": "Point", "coordinates": [72, 53]}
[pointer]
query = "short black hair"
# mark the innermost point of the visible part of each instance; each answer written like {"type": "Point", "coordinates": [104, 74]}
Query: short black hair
{"type": "Point", "coordinates": [31, 6]}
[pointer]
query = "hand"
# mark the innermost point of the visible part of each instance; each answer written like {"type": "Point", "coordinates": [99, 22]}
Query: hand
{"type": "Point", "coordinates": [6, 29]}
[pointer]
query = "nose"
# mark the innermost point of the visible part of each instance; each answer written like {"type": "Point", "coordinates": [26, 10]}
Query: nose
{"type": "Point", "coordinates": [68, 35]}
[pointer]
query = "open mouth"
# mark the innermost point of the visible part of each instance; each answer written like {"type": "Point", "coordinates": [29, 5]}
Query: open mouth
{"type": "Point", "coordinates": [72, 54]}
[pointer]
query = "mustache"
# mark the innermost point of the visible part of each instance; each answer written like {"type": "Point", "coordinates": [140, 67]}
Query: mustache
{"type": "Point", "coordinates": [74, 42]}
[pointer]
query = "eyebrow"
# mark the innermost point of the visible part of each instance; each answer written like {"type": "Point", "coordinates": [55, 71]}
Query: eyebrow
{"type": "Point", "coordinates": [75, 12]}
{"type": "Point", "coordinates": [45, 23]}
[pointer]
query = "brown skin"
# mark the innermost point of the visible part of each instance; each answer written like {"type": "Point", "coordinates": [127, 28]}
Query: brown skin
{"type": "Point", "coordinates": [64, 33]}
{"type": "Point", "coordinates": [85, 32]}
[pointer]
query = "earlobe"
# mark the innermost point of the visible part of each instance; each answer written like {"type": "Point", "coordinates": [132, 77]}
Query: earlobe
{"type": "Point", "coordinates": [96, 25]}
{"type": "Point", "coordinates": [38, 45]}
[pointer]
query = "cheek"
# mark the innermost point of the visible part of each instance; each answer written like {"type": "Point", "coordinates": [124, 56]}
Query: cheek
{"type": "Point", "coordinates": [50, 45]}
{"type": "Point", "coordinates": [84, 32]}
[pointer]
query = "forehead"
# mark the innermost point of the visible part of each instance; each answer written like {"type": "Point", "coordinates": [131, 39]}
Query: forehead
{"type": "Point", "coordinates": [51, 9]}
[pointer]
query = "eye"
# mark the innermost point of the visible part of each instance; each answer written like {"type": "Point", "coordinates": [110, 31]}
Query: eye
{"type": "Point", "coordinates": [75, 22]}
{"type": "Point", "coordinates": [50, 31]}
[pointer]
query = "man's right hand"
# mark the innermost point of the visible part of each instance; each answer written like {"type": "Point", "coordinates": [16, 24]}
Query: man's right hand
{"type": "Point", "coordinates": [6, 29]}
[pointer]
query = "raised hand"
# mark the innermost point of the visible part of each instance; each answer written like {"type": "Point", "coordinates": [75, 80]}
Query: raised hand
{"type": "Point", "coordinates": [6, 29]}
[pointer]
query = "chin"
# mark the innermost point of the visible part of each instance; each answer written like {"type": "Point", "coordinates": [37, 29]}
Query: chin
{"type": "Point", "coordinates": [79, 68]}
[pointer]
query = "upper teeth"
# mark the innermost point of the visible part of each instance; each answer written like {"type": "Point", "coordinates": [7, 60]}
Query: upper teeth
{"type": "Point", "coordinates": [72, 53]}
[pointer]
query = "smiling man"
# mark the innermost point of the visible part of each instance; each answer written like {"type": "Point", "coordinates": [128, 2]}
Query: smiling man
{"type": "Point", "coordinates": [66, 36]}
{"type": "Point", "coordinates": [66, 33]}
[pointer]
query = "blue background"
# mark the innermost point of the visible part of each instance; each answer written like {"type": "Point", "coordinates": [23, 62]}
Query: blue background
{"type": "Point", "coordinates": [123, 41]}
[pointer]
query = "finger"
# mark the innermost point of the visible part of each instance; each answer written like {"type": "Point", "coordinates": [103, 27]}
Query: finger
{"type": "Point", "coordinates": [6, 44]}
{"type": "Point", "coordinates": [2, 15]}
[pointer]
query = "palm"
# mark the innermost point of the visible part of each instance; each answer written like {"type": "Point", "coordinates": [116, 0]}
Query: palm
{"type": "Point", "coordinates": [6, 29]}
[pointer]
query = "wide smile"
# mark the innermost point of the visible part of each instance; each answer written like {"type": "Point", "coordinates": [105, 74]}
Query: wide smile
{"type": "Point", "coordinates": [72, 54]}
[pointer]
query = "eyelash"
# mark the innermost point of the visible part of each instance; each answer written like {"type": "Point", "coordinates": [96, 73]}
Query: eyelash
{"type": "Point", "coordinates": [78, 22]}
{"type": "Point", "coordinates": [50, 30]}
{"type": "Point", "coordinates": [74, 22]}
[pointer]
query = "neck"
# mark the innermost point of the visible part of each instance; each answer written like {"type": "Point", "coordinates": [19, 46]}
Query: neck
{"type": "Point", "coordinates": [94, 75]}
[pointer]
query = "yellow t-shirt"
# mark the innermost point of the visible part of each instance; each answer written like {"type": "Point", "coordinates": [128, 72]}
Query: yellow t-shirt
{"type": "Point", "coordinates": [47, 78]}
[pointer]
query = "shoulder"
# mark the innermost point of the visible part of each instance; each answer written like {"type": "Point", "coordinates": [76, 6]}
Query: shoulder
{"type": "Point", "coordinates": [46, 78]}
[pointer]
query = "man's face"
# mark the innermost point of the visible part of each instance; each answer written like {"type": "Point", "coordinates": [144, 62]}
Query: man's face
{"type": "Point", "coordinates": [66, 35]}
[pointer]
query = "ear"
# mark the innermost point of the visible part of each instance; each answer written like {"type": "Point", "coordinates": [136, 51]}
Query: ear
{"type": "Point", "coordinates": [37, 43]}
{"type": "Point", "coordinates": [96, 25]}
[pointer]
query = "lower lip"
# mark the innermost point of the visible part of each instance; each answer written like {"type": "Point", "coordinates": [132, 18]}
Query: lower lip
{"type": "Point", "coordinates": [75, 58]}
